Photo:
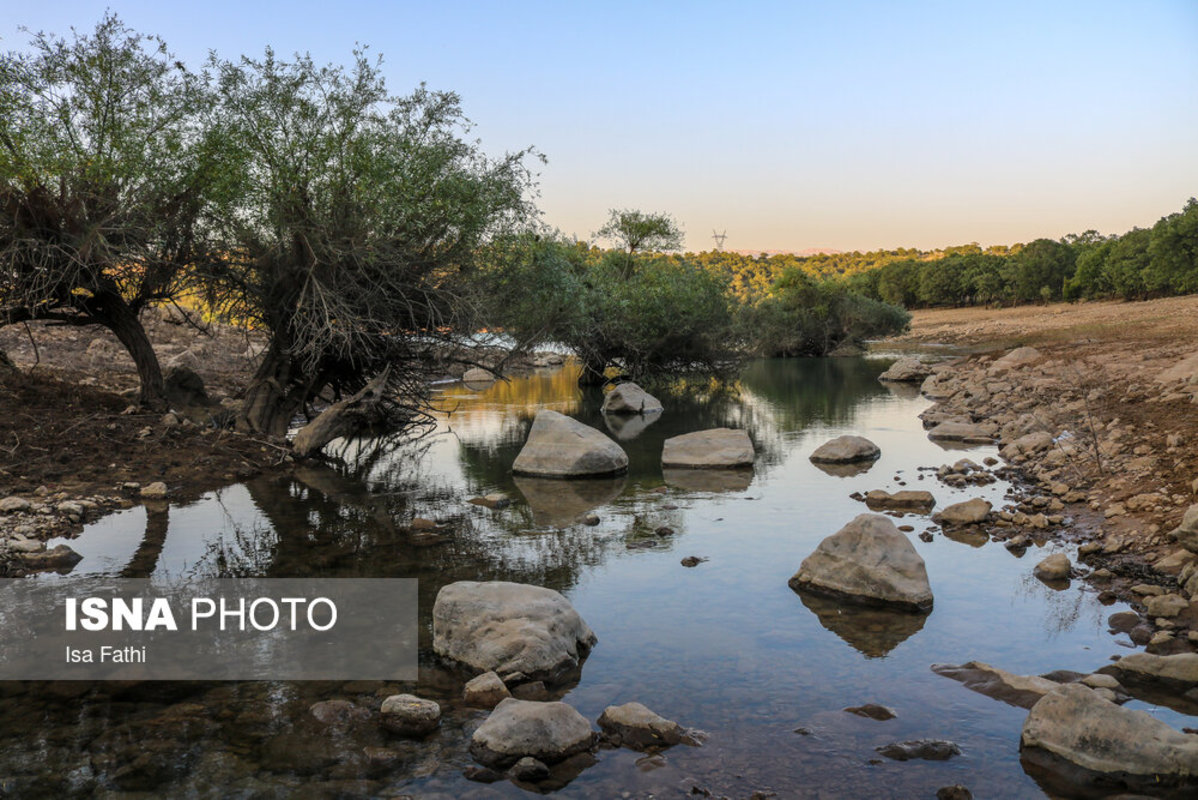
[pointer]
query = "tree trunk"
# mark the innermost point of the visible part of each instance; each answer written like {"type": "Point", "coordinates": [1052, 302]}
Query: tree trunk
{"type": "Point", "coordinates": [592, 371]}
{"type": "Point", "coordinates": [271, 402]}
{"type": "Point", "coordinates": [116, 315]}
{"type": "Point", "coordinates": [343, 419]}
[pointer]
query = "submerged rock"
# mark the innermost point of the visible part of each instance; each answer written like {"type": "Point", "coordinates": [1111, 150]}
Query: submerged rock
{"type": "Point", "coordinates": [926, 749]}
{"type": "Point", "coordinates": [628, 398]}
{"type": "Point", "coordinates": [873, 711]}
{"type": "Point", "coordinates": [1023, 691]}
{"type": "Point", "coordinates": [718, 448]}
{"type": "Point", "coordinates": [1115, 746]}
{"type": "Point", "coordinates": [846, 450]}
{"type": "Point", "coordinates": [870, 561]}
{"type": "Point", "coordinates": [562, 447]}
{"type": "Point", "coordinates": [522, 632]}
{"type": "Point", "coordinates": [634, 726]}
{"type": "Point", "coordinates": [516, 729]}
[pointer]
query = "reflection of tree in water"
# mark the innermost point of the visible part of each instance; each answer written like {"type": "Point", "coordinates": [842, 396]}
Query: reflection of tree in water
{"type": "Point", "coordinates": [802, 391]}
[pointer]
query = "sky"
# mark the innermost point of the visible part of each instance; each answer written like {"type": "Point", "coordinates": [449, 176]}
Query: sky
{"type": "Point", "coordinates": [790, 125]}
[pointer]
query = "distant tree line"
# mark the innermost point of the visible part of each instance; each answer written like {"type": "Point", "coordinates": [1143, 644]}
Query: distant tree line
{"type": "Point", "coordinates": [1143, 263]}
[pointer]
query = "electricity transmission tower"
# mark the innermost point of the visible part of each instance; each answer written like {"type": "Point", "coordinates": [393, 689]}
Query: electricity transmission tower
{"type": "Point", "coordinates": [719, 239]}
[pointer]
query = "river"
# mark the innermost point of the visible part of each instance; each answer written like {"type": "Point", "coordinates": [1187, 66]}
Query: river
{"type": "Point", "coordinates": [725, 647]}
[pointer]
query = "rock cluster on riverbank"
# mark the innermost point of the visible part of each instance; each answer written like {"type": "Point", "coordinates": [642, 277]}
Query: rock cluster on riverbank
{"type": "Point", "coordinates": [1103, 455]}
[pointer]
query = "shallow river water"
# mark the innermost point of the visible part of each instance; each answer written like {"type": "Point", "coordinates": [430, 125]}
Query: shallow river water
{"type": "Point", "coordinates": [725, 647]}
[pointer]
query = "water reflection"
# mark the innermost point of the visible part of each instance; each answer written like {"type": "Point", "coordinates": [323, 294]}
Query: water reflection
{"type": "Point", "coordinates": [629, 426]}
{"type": "Point", "coordinates": [560, 503]}
{"type": "Point", "coordinates": [709, 480]}
{"type": "Point", "coordinates": [871, 631]}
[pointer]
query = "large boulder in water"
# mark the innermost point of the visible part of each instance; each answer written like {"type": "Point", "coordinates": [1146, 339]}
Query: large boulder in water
{"type": "Point", "coordinates": [868, 561]}
{"type": "Point", "coordinates": [1109, 744]}
{"type": "Point", "coordinates": [516, 729]}
{"type": "Point", "coordinates": [718, 448]}
{"type": "Point", "coordinates": [968, 512]}
{"type": "Point", "coordinates": [846, 450]}
{"type": "Point", "coordinates": [628, 398]}
{"type": "Point", "coordinates": [522, 632]}
{"type": "Point", "coordinates": [562, 447]}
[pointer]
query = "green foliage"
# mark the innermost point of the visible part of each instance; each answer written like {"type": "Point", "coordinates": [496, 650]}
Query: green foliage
{"type": "Point", "coordinates": [665, 314]}
{"type": "Point", "coordinates": [807, 316]}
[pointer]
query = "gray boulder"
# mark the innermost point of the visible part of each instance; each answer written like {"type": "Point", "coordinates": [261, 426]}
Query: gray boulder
{"type": "Point", "coordinates": [634, 726]}
{"type": "Point", "coordinates": [970, 512]}
{"type": "Point", "coordinates": [905, 500]}
{"type": "Point", "coordinates": [478, 375]}
{"type": "Point", "coordinates": [869, 560]}
{"type": "Point", "coordinates": [1186, 533]}
{"type": "Point", "coordinates": [1130, 748]}
{"type": "Point", "coordinates": [846, 450]}
{"type": "Point", "coordinates": [562, 447]}
{"type": "Point", "coordinates": [1178, 672]}
{"type": "Point", "coordinates": [1054, 568]}
{"type": "Point", "coordinates": [906, 370]}
{"type": "Point", "coordinates": [485, 691]}
{"type": "Point", "coordinates": [718, 448]}
{"type": "Point", "coordinates": [524, 633]}
{"type": "Point", "coordinates": [1019, 357]}
{"type": "Point", "coordinates": [628, 398]}
{"type": "Point", "coordinates": [516, 729]}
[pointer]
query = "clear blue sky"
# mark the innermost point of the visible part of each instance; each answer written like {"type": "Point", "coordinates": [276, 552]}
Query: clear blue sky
{"type": "Point", "coordinates": [849, 125]}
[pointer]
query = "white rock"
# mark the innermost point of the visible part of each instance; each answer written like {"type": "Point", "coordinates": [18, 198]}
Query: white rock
{"type": "Point", "coordinates": [516, 729]}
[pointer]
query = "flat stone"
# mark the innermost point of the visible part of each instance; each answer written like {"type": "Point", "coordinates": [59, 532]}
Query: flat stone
{"type": "Point", "coordinates": [718, 448]}
{"type": "Point", "coordinates": [905, 500]}
{"type": "Point", "coordinates": [906, 370]}
{"type": "Point", "coordinates": [846, 450]}
{"type": "Point", "coordinates": [1023, 691]}
{"type": "Point", "coordinates": [958, 432]}
{"type": "Point", "coordinates": [868, 560]}
{"type": "Point", "coordinates": [562, 447]}
{"type": "Point", "coordinates": [154, 491]}
{"type": "Point", "coordinates": [873, 711]}
{"type": "Point", "coordinates": [1167, 605]}
{"type": "Point", "coordinates": [926, 749]}
{"type": "Point", "coordinates": [409, 715]}
{"type": "Point", "coordinates": [13, 504]}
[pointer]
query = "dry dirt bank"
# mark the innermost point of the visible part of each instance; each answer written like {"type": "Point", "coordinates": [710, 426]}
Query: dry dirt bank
{"type": "Point", "coordinates": [1099, 414]}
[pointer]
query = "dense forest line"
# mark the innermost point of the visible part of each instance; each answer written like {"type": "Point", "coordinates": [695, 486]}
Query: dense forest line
{"type": "Point", "coordinates": [1143, 263]}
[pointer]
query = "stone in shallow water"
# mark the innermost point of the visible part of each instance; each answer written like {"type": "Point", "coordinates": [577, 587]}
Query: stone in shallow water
{"type": "Point", "coordinates": [969, 512]}
{"type": "Point", "coordinates": [873, 711]}
{"type": "Point", "coordinates": [718, 448]}
{"type": "Point", "coordinates": [409, 715]}
{"type": "Point", "coordinates": [522, 632]}
{"type": "Point", "coordinates": [926, 749]}
{"type": "Point", "coordinates": [547, 732]}
{"type": "Point", "coordinates": [629, 398]}
{"type": "Point", "coordinates": [485, 691]}
{"type": "Point", "coordinates": [562, 447]}
{"type": "Point", "coordinates": [905, 500]}
{"type": "Point", "coordinates": [634, 726]}
{"type": "Point", "coordinates": [846, 450]}
{"type": "Point", "coordinates": [1106, 742]}
{"type": "Point", "coordinates": [868, 560]}
{"type": "Point", "coordinates": [1023, 691]}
